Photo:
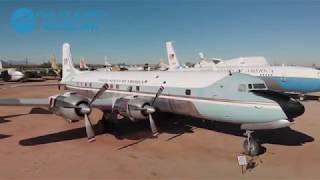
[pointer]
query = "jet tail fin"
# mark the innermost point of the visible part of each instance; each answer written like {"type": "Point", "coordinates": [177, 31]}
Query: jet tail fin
{"type": "Point", "coordinates": [172, 57]}
{"type": "Point", "coordinates": [106, 63]}
{"type": "Point", "coordinates": [1, 67]}
{"type": "Point", "coordinates": [83, 64]}
{"type": "Point", "coordinates": [68, 69]}
{"type": "Point", "coordinates": [53, 62]}
{"type": "Point", "coordinates": [201, 55]}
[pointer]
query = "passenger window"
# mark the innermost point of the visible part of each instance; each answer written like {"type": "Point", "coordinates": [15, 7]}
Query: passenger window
{"type": "Point", "coordinates": [242, 88]}
{"type": "Point", "coordinates": [188, 92]}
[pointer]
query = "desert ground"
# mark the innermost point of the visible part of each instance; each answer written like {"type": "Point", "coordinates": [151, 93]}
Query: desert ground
{"type": "Point", "coordinates": [35, 144]}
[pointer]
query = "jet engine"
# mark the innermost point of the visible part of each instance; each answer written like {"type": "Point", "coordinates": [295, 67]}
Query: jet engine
{"type": "Point", "coordinates": [133, 108]}
{"type": "Point", "coordinates": [70, 106]}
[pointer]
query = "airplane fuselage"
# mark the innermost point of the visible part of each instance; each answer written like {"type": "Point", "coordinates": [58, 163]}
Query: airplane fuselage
{"type": "Point", "coordinates": [209, 95]}
{"type": "Point", "coordinates": [280, 78]}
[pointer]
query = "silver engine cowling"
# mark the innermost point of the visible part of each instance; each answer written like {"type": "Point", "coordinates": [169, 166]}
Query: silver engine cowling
{"type": "Point", "coordinates": [62, 105]}
{"type": "Point", "coordinates": [133, 108]}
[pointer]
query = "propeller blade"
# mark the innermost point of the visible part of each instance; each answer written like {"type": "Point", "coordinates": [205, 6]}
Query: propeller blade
{"type": "Point", "coordinates": [157, 95]}
{"type": "Point", "coordinates": [89, 129]}
{"type": "Point", "coordinates": [153, 126]}
{"type": "Point", "coordinates": [99, 93]}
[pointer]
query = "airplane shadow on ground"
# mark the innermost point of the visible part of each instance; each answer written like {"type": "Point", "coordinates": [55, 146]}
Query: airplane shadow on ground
{"type": "Point", "coordinates": [3, 136]}
{"type": "Point", "coordinates": [38, 110]}
{"type": "Point", "coordinates": [125, 129]}
{"type": "Point", "coordinates": [175, 125]}
{"type": "Point", "coordinates": [4, 119]}
{"type": "Point", "coordinates": [283, 136]}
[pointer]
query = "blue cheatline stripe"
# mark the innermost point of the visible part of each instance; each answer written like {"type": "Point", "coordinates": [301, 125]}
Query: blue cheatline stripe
{"type": "Point", "coordinates": [297, 84]}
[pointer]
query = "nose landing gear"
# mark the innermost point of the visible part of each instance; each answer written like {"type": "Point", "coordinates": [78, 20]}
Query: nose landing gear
{"type": "Point", "coordinates": [250, 145]}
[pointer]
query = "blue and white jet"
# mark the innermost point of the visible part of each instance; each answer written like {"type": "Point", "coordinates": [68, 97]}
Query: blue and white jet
{"type": "Point", "coordinates": [294, 80]}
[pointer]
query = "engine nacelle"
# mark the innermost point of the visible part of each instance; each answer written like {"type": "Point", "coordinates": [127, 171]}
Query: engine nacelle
{"type": "Point", "coordinates": [62, 105]}
{"type": "Point", "coordinates": [131, 108]}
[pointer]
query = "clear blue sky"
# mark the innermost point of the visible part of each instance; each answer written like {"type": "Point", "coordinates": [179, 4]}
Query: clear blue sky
{"type": "Point", "coordinates": [284, 31]}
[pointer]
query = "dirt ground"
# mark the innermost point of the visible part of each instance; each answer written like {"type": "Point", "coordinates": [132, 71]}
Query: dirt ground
{"type": "Point", "coordinates": [35, 144]}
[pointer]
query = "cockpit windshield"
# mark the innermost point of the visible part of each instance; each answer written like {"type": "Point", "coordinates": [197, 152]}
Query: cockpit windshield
{"type": "Point", "coordinates": [259, 86]}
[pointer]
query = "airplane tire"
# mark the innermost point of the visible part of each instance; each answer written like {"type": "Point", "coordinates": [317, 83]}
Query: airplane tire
{"type": "Point", "coordinates": [254, 148]}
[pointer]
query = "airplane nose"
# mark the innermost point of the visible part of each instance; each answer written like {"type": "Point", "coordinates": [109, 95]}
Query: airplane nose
{"type": "Point", "coordinates": [292, 108]}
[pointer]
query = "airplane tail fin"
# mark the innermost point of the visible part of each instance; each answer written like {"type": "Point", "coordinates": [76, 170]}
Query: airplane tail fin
{"type": "Point", "coordinates": [201, 55]}
{"type": "Point", "coordinates": [106, 63]}
{"type": "Point", "coordinates": [68, 69]}
{"type": "Point", "coordinates": [53, 62]}
{"type": "Point", "coordinates": [1, 67]}
{"type": "Point", "coordinates": [83, 64]}
{"type": "Point", "coordinates": [172, 58]}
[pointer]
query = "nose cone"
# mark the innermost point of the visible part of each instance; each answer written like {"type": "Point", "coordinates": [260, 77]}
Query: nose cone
{"type": "Point", "coordinates": [20, 75]}
{"type": "Point", "coordinates": [16, 75]}
{"type": "Point", "coordinates": [292, 108]}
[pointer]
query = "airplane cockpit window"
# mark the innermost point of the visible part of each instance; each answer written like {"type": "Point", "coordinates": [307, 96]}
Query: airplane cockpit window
{"type": "Point", "coordinates": [242, 88]}
{"type": "Point", "coordinates": [188, 92]}
{"type": "Point", "coordinates": [259, 86]}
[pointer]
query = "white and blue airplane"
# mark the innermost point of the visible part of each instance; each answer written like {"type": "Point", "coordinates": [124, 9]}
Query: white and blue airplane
{"type": "Point", "coordinates": [217, 96]}
{"type": "Point", "coordinates": [295, 80]}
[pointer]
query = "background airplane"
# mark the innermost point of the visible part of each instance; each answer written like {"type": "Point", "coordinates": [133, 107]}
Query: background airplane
{"type": "Point", "coordinates": [295, 80]}
{"type": "Point", "coordinates": [10, 74]}
{"type": "Point", "coordinates": [240, 61]}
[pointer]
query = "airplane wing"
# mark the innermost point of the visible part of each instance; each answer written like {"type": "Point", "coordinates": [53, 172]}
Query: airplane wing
{"type": "Point", "coordinates": [16, 85]}
{"type": "Point", "coordinates": [102, 104]}
{"type": "Point", "coordinates": [24, 102]}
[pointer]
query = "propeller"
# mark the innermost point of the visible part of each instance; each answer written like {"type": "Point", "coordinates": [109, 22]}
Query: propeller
{"type": "Point", "coordinates": [89, 129]}
{"type": "Point", "coordinates": [150, 110]}
{"type": "Point", "coordinates": [99, 93]}
{"type": "Point", "coordinates": [85, 109]}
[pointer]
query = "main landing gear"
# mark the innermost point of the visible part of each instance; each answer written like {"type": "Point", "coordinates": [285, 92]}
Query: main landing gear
{"type": "Point", "coordinates": [110, 121]}
{"type": "Point", "coordinates": [250, 145]}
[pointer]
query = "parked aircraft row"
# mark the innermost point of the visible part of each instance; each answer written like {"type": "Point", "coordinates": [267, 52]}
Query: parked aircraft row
{"type": "Point", "coordinates": [29, 74]}
{"type": "Point", "coordinates": [214, 95]}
